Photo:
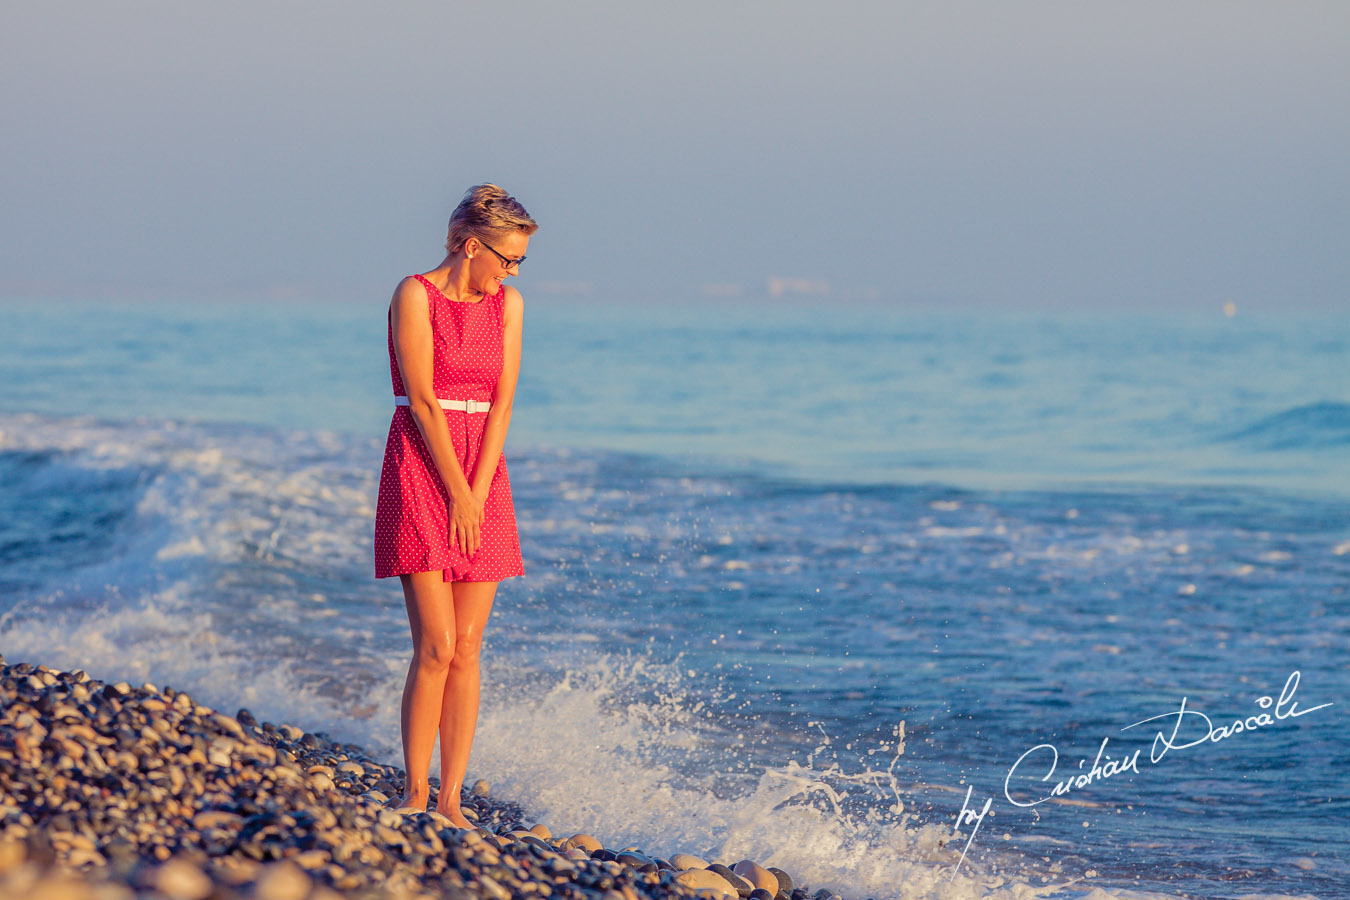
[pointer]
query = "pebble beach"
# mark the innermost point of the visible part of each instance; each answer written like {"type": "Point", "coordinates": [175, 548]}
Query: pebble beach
{"type": "Point", "coordinates": [110, 791]}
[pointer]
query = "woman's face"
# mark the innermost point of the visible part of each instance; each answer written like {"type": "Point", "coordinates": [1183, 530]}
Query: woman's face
{"type": "Point", "coordinates": [487, 270]}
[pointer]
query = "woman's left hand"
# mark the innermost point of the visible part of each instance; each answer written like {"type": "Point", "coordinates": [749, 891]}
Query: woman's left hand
{"type": "Point", "coordinates": [466, 522]}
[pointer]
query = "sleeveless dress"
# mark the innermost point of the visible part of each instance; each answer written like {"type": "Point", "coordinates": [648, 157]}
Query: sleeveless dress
{"type": "Point", "coordinates": [412, 515]}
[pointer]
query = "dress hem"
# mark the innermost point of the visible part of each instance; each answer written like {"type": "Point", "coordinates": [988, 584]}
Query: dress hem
{"type": "Point", "coordinates": [378, 576]}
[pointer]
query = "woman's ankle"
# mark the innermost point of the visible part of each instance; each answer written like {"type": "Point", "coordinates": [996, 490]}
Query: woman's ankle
{"type": "Point", "coordinates": [416, 795]}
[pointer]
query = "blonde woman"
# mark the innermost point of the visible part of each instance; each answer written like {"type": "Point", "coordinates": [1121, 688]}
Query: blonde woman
{"type": "Point", "coordinates": [445, 523]}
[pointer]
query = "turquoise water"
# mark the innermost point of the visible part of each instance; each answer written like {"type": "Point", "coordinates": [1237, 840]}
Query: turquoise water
{"type": "Point", "coordinates": [856, 394]}
{"type": "Point", "coordinates": [757, 540]}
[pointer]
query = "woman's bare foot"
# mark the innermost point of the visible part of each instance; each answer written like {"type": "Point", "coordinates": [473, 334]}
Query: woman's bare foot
{"type": "Point", "coordinates": [414, 799]}
{"type": "Point", "coordinates": [455, 815]}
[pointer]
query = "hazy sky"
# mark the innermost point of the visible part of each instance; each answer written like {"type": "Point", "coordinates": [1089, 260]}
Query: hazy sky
{"type": "Point", "coordinates": [1003, 153]}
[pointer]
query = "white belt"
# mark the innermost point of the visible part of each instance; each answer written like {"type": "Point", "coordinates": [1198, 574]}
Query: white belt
{"type": "Point", "coordinates": [469, 406]}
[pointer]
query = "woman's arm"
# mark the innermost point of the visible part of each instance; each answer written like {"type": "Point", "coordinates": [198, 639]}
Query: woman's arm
{"type": "Point", "coordinates": [499, 416]}
{"type": "Point", "coordinates": [413, 348]}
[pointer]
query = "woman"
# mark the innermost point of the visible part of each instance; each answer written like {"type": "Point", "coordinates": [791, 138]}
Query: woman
{"type": "Point", "coordinates": [445, 523]}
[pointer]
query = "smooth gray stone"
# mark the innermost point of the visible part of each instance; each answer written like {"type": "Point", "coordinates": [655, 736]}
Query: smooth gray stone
{"type": "Point", "coordinates": [785, 884]}
{"type": "Point", "coordinates": [742, 886]}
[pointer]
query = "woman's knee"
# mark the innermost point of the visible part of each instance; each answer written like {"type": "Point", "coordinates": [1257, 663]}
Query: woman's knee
{"type": "Point", "coordinates": [434, 652]}
{"type": "Point", "coordinates": [466, 652]}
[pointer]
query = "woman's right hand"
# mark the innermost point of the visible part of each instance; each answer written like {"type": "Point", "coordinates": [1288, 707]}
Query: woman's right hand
{"type": "Point", "coordinates": [466, 522]}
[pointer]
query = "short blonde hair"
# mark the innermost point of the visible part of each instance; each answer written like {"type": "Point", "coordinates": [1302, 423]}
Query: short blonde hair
{"type": "Point", "coordinates": [486, 211]}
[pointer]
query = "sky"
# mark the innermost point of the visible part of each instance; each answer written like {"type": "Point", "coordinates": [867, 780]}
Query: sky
{"type": "Point", "coordinates": [1174, 155]}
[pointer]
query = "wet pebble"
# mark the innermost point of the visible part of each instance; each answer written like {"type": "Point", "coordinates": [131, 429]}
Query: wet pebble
{"type": "Point", "coordinates": [743, 887]}
{"type": "Point", "coordinates": [706, 880]}
{"type": "Point", "coordinates": [784, 879]}
{"type": "Point", "coordinates": [583, 842]}
{"type": "Point", "coordinates": [758, 876]}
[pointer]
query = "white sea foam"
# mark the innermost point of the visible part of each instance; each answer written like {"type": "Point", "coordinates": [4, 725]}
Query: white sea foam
{"type": "Point", "coordinates": [582, 759]}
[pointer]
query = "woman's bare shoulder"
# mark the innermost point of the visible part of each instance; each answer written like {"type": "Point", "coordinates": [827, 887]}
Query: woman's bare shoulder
{"type": "Point", "coordinates": [410, 293]}
{"type": "Point", "coordinates": [512, 302]}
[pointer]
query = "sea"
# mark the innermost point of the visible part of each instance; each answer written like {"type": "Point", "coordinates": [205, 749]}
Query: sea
{"type": "Point", "coordinates": [911, 602]}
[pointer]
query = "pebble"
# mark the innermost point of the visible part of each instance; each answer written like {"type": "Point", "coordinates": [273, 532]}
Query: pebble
{"type": "Point", "coordinates": [12, 854]}
{"type": "Point", "coordinates": [79, 857]}
{"type": "Point", "coordinates": [216, 818]}
{"type": "Point", "coordinates": [225, 723]}
{"type": "Point", "coordinates": [706, 880]}
{"type": "Point", "coordinates": [491, 888]}
{"type": "Point", "coordinates": [311, 859]}
{"type": "Point", "coordinates": [685, 861]}
{"type": "Point", "coordinates": [758, 876]}
{"type": "Point", "coordinates": [388, 835]}
{"type": "Point", "coordinates": [534, 841]}
{"type": "Point", "coordinates": [282, 881]}
{"type": "Point", "coordinates": [742, 886]}
{"type": "Point", "coordinates": [582, 842]}
{"type": "Point", "coordinates": [181, 880]}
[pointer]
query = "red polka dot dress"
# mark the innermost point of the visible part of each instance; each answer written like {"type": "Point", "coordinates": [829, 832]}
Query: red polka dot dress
{"type": "Point", "coordinates": [412, 516]}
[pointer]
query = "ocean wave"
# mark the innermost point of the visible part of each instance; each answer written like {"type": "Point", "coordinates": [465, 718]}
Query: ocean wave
{"type": "Point", "coordinates": [58, 511]}
{"type": "Point", "coordinates": [1311, 426]}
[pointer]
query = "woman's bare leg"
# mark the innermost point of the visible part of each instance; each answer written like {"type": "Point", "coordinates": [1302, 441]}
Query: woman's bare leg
{"type": "Point", "coordinates": [459, 708]}
{"type": "Point", "coordinates": [431, 617]}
